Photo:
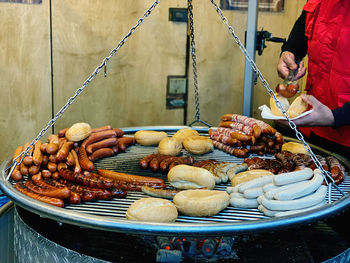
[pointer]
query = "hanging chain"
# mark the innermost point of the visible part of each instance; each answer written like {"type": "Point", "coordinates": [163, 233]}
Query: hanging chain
{"type": "Point", "coordinates": [325, 174]}
{"type": "Point", "coordinates": [194, 65]}
{"type": "Point", "coordinates": [80, 90]}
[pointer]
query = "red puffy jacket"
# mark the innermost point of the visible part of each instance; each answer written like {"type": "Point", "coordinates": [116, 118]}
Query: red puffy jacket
{"type": "Point", "coordinates": [327, 27]}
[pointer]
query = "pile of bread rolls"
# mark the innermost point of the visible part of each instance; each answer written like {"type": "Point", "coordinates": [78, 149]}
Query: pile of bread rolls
{"type": "Point", "coordinates": [240, 135]}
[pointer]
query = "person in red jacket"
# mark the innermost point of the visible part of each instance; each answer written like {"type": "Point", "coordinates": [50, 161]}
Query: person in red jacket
{"type": "Point", "coordinates": [323, 33]}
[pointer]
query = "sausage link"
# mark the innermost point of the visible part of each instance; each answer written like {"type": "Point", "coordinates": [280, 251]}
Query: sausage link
{"type": "Point", "coordinates": [63, 152]}
{"type": "Point", "coordinates": [77, 168]}
{"type": "Point", "coordinates": [124, 142]}
{"type": "Point", "coordinates": [33, 169]}
{"type": "Point", "coordinates": [40, 187]}
{"type": "Point", "coordinates": [52, 167]}
{"type": "Point", "coordinates": [101, 153]}
{"type": "Point", "coordinates": [16, 174]}
{"type": "Point", "coordinates": [49, 200]}
{"type": "Point", "coordinates": [110, 142]}
{"type": "Point", "coordinates": [84, 161]}
{"type": "Point", "coordinates": [53, 144]}
{"type": "Point", "coordinates": [62, 133]}
{"type": "Point", "coordinates": [103, 128]}
{"type": "Point", "coordinates": [144, 162]}
{"type": "Point", "coordinates": [119, 132]}
{"type": "Point", "coordinates": [98, 136]}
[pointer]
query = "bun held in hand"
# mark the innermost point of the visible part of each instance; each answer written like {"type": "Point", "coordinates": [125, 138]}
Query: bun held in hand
{"type": "Point", "coordinates": [274, 108]}
{"type": "Point", "coordinates": [297, 107]}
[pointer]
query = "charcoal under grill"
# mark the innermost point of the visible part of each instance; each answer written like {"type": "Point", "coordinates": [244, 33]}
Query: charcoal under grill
{"type": "Point", "coordinates": [109, 215]}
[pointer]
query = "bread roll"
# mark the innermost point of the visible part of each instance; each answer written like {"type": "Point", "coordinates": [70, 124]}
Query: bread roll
{"type": "Point", "coordinates": [201, 202]}
{"type": "Point", "coordinates": [248, 175]}
{"type": "Point", "coordinates": [274, 108]}
{"type": "Point", "coordinates": [189, 177]}
{"type": "Point", "coordinates": [181, 134]}
{"type": "Point", "coordinates": [149, 137]}
{"type": "Point", "coordinates": [294, 147]}
{"type": "Point", "coordinates": [152, 210]}
{"type": "Point", "coordinates": [198, 144]}
{"type": "Point", "coordinates": [169, 146]}
{"type": "Point", "coordinates": [297, 107]}
{"type": "Point", "coordinates": [78, 131]}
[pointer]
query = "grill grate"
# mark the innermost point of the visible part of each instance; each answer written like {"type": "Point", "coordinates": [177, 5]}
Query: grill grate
{"type": "Point", "coordinates": [128, 162]}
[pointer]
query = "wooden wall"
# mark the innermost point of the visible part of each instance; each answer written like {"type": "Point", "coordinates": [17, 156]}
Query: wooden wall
{"type": "Point", "coordinates": [133, 93]}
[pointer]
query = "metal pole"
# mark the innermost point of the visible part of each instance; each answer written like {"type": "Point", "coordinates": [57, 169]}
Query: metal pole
{"type": "Point", "coordinates": [251, 48]}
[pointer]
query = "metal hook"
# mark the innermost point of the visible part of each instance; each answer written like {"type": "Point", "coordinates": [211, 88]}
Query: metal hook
{"type": "Point", "coordinates": [199, 120]}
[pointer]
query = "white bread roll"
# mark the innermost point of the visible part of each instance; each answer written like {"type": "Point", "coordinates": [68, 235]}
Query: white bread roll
{"type": "Point", "coordinates": [149, 137]}
{"type": "Point", "coordinates": [294, 147]}
{"type": "Point", "coordinates": [78, 132]}
{"type": "Point", "coordinates": [297, 107]}
{"type": "Point", "coordinates": [169, 146]}
{"type": "Point", "coordinates": [189, 177]}
{"type": "Point", "coordinates": [274, 108]}
{"type": "Point", "coordinates": [198, 144]}
{"type": "Point", "coordinates": [152, 210]}
{"type": "Point", "coordinates": [201, 202]}
{"type": "Point", "coordinates": [181, 134]}
{"type": "Point", "coordinates": [248, 175]}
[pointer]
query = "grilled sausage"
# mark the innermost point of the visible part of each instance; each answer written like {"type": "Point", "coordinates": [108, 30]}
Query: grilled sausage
{"type": "Point", "coordinates": [98, 136]}
{"type": "Point", "coordinates": [101, 153]}
{"type": "Point", "coordinates": [161, 193]}
{"type": "Point", "coordinates": [49, 200]}
{"type": "Point", "coordinates": [63, 152]}
{"type": "Point", "coordinates": [40, 187]}
{"type": "Point", "coordinates": [84, 161]}
{"type": "Point", "coordinates": [124, 142]}
{"type": "Point", "coordinates": [103, 128]}
{"type": "Point", "coordinates": [144, 162]}
{"type": "Point", "coordinates": [110, 142]}
{"type": "Point", "coordinates": [53, 144]}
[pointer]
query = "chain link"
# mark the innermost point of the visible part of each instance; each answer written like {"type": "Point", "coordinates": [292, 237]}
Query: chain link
{"type": "Point", "coordinates": [194, 65]}
{"type": "Point", "coordinates": [80, 90]}
{"type": "Point", "coordinates": [325, 174]}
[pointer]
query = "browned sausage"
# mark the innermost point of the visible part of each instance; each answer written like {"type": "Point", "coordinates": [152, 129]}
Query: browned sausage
{"type": "Point", "coordinates": [62, 132]}
{"type": "Point", "coordinates": [52, 167]}
{"type": "Point", "coordinates": [49, 200]}
{"type": "Point", "coordinates": [101, 153]}
{"type": "Point", "coordinates": [103, 128]}
{"type": "Point", "coordinates": [101, 144]}
{"type": "Point", "coordinates": [124, 142]}
{"type": "Point", "coordinates": [63, 152]}
{"type": "Point", "coordinates": [24, 169]}
{"type": "Point", "coordinates": [84, 161]}
{"type": "Point", "coordinates": [130, 178]}
{"type": "Point", "coordinates": [61, 166]}
{"type": "Point", "coordinates": [155, 162]}
{"type": "Point", "coordinates": [40, 187]}
{"type": "Point", "coordinates": [144, 162]}
{"type": "Point", "coordinates": [16, 174]}
{"type": "Point", "coordinates": [287, 91]}
{"type": "Point", "coordinates": [46, 173]}
{"type": "Point", "coordinates": [120, 132]}
{"type": "Point", "coordinates": [55, 175]}
{"type": "Point", "coordinates": [43, 147]}
{"type": "Point", "coordinates": [98, 136]}
{"type": "Point", "coordinates": [70, 161]}
{"type": "Point", "coordinates": [53, 144]}
{"type": "Point", "coordinates": [33, 169]}
{"type": "Point", "coordinates": [92, 181]}
{"type": "Point", "coordinates": [28, 159]}
{"type": "Point", "coordinates": [52, 158]}
{"type": "Point", "coordinates": [77, 168]}
{"type": "Point", "coordinates": [161, 193]}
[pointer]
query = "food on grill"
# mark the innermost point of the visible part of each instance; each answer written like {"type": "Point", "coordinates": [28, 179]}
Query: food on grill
{"type": "Point", "coordinates": [78, 132]}
{"type": "Point", "coordinates": [277, 213]}
{"type": "Point", "coordinates": [294, 147]}
{"type": "Point", "coordinates": [28, 159]}
{"type": "Point", "coordinates": [46, 199]}
{"type": "Point", "coordinates": [293, 177]}
{"type": "Point", "coordinates": [137, 179]}
{"type": "Point", "coordinates": [40, 187]}
{"type": "Point", "coordinates": [189, 177]}
{"type": "Point", "coordinates": [169, 146]}
{"type": "Point", "coordinates": [101, 153]}
{"type": "Point", "coordinates": [98, 136]}
{"type": "Point", "coordinates": [124, 142]}
{"type": "Point", "coordinates": [103, 128]}
{"type": "Point", "coordinates": [297, 107]}
{"type": "Point", "coordinates": [152, 210]}
{"type": "Point", "coordinates": [232, 171]}
{"type": "Point", "coordinates": [249, 175]}
{"type": "Point", "coordinates": [149, 137]}
{"type": "Point", "coordinates": [161, 162]}
{"type": "Point", "coordinates": [84, 160]}
{"type": "Point", "coordinates": [200, 202]}
{"type": "Point", "coordinates": [105, 143]}
{"type": "Point", "coordinates": [16, 174]}
{"type": "Point", "coordinates": [243, 202]}
{"type": "Point", "coordinates": [181, 134]}
{"type": "Point", "coordinates": [239, 135]}
{"type": "Point", "coordinates": [161, 193]}
{"type": "Point", "coordinates": [53, 144]}
{"type": "Point", "coordinates": [287, 90]}
{"type": "Point", "coordinates": [198, 144]}
{"type": "Point", "coordinates": [64, 150]}
{"type": "Point", "coordinates": [275, 110]}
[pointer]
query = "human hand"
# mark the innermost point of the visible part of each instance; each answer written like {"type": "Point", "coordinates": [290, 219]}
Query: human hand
{"type": "Point", "coordinates": [286, 63]}
{"type": "Point", "coordinates": [320, 116]}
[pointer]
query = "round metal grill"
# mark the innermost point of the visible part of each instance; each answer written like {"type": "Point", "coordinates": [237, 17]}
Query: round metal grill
{"type": "Point", "coordinates": [110, 215]}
